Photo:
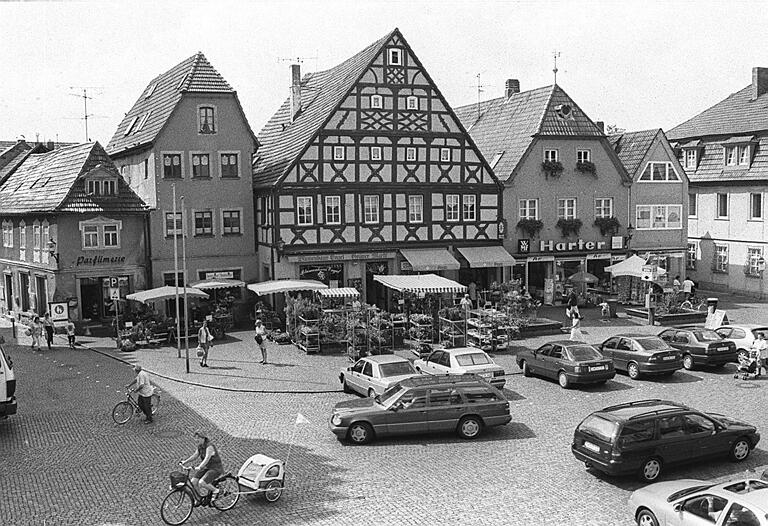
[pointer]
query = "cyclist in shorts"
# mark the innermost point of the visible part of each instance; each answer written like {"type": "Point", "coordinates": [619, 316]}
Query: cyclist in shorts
{"type": "Point", "coordinates": [209, 468]}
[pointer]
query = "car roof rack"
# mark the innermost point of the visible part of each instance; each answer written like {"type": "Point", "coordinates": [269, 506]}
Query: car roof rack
{"type": "Point", "coordinates": [425, 379]}
{"type": "Point", "coordinates": [639, 403]}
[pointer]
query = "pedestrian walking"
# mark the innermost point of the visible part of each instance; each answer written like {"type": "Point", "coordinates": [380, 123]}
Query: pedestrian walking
{"type": "Point", "coordinates": [687, 288]}
{"type": "Point", "coordinates": [573, 305]}
{"type": "Point", "coordinates": [48, 326]}
{"type": "Point", "coordinates": [204, 342]}
{"type": "Point", "coordinates": [760, 346]}
{"type": "Point", "coordinates": [71, 333]}
{"type": "Point", "coordinates": [145, 391]}
{"type": "Point", "coordinates": [576, 334]}
{"type": "Point", "coordinates": [260, 338]}
{"type": "Point", "coordinates": [36, 331]}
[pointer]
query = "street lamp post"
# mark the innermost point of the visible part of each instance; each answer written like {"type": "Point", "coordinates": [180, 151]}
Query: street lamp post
{"type": "Point", "coordinates": [186, 306]}
{"type": "Point", "coordinates": [176, 272]}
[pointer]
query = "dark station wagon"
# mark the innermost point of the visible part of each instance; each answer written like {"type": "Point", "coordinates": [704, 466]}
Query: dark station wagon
{"type": "Point", "coordinates": [568, 362]}
{"type": "Point", "coordinates": [700, 346]}
{"type": "Point", "coordinates": [641, 355]}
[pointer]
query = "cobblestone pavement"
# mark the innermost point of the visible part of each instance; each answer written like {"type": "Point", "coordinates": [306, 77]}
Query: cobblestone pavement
{"type": "Point", "coordinates": [71, 465]}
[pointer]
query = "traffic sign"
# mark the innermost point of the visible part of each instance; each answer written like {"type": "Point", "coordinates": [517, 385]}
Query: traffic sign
{"type": "Point", "coordinates": [114, 293]}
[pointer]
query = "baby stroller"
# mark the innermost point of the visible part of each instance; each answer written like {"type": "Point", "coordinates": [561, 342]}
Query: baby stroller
{"type": "Point", "coordinates": [747, 368]}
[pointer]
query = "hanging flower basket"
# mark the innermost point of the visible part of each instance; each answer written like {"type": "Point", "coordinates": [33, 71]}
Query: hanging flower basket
{"type": "Point", "coordinates": [569, 226]}
{"type": "Point", "coordinates": [552, 168]}
{"type": "Point", "coordinates": [607, 225]}
{"type": "Point", "coordinates": [586, 167]}
{"type": "Point", "coordinates": [530, 226]}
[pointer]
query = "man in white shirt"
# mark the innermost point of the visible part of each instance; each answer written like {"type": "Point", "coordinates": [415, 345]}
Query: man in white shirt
{"type": "Point", "coordinates": [145, 391]}
{"type": "Point", "coordinates": [760, 346]}
{"type": "Point", "coordinates": [688, 288]}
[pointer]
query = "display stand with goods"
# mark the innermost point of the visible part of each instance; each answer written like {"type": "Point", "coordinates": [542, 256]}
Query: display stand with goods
{"type": "Point", "coordinates": [336, 309]}
{"type": "Point", "coordinates": [453, 325]}
{"type": "Point", "coordinates": [308, 335]}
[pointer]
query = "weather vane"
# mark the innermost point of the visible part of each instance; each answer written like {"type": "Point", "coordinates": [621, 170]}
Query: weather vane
{"type": "Point", "coordinates": [555, 55]}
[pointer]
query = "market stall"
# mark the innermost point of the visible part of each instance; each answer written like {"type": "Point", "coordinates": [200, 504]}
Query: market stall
{"type": "Point", "coordinates": [337, 309]}
{"type": "Point", "coordinates": [638, 274]}
{"type": "Point", "coordinates": [220, 309]}
{"type": "Point", "coordinates": [149, 326]}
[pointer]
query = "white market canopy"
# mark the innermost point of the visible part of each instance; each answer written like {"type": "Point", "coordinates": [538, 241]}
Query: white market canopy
{"type": "Point", "coordinates": [210, 284]}
{"type": "Point", "coordinates": [422, 259]}
{"type": "Point", "coordinates": [285, 285]}
{"type": "Point", "coordinates": [431, 283]}
{"type": "Point", "coordinates": [164, 293]}
{"type": "Point", "coordinates": [632, 266]}
{"type": "Point", "coordinates": [480, 257]}
{"type": "Point", "coordinates": [340, 292]}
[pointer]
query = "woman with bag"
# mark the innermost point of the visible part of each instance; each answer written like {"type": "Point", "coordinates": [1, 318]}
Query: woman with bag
{"type": "Point", "coordinates": [204, 339]}
{"type": "Point", "coordinates": [260, 338]}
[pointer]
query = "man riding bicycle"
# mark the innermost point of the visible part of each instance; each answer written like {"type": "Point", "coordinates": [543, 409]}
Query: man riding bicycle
{"type": "Point", "coordinates": [209, 468]}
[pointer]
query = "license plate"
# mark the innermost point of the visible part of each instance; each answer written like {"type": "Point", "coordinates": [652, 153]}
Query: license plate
{"type": "Point", "coordinates": [598, 368]}
{"type": "Point", "coordinates": [668, 358]}
{"type": "Point", "coordinates": [722, 348]}
{"type": "Point", "coordinates": [592, 447]}
{"type": "Point", "coordinates": [486, 375]}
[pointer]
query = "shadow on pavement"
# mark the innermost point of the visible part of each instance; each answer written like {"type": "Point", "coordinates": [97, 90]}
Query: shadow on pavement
{"type": "Point", "coordinates": [513, 396]}
{"type": "Point", "coordinates": [609, 386]}
{"type": "Point", "coordinates": [679, 377]}
{"type": "Point", "coordinates": [511, 431]}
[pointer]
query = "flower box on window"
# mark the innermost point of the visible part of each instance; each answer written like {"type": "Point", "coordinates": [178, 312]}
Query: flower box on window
{"type": "Point", "coordinates": [530, 226]}
{"type": "Point", "coordinates": [569, 226]}
{"type": "Point", "coordinates": [607, 225]}
{"type": "Point", "coordinates": [552, 168]}
{"type": "Point", "coordinates": [586, 167]}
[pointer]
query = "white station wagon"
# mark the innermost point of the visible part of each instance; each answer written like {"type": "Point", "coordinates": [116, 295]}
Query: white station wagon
{"type": "Point", "coordinates": [372, 375]}
{"type": "Point", "coordinates": [462, 360]}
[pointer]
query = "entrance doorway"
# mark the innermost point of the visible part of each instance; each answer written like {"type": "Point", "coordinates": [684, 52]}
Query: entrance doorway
{"type": "Point", "coordinates": [90, 298]}
{"type": "Point", "coordinates": [375, 292]}
{"type": "Point", "coordinates": [24, 292]}
{"type": "Point", "coordinates": [538, 272]}
{"type": "Point", "coordinates": [41, 285]}
{"type": "Point", "coordinates": [8, 291]}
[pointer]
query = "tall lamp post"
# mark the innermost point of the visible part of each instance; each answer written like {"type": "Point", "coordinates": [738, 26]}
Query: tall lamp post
{"type": "Point", "coordinates": [628, 237]}
{"type": "Point", "coordinates": [186, 306]}
{"type": "Point", "coordinates": [176, 271]}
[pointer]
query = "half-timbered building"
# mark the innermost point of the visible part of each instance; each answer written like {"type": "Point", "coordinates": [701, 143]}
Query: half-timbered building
{"type": "Point", "coordinates": [365, 170]}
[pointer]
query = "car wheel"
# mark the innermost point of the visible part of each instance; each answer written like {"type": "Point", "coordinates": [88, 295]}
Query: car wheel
{"type": "Point", "coordinates": [360, 433]}
{"type": "Point", "coordinates": [739, 450]}
{"type": "Point", "coordinates": [345, 386]}
{"type": "Point", "coordinates": [633, 370]}
{"type": "Point", "coordinates": [688, 362]}
{"type": "Point", "coordinates": [651, 470]}
{"type": "Point", "coordinates": [646, 518]}
{"type": "Point", "coordinates": [470, 427]}
{"type": "Point", "coordinates": [371, 393]}
{"type": "Point", "coordinates": [562, 379]}
{"type": "Point", "coordinates": [743, 355]}
{"type": "Point", "coordinates": [525, 368]}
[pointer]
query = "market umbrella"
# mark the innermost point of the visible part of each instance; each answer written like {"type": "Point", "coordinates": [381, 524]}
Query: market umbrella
{"type": "Point", "coordinates": [212, 284]}
{"type": "Point", "coordinates": [164, 293]}
{"type": "Point", "coordinates": [285, 285]}
{"type": "Point", "coordinates": [632, 266]}
{"type": "Point", "coordinates": [583, 277]}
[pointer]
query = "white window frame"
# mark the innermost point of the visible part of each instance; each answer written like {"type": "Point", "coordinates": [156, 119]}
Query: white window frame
{"type": "Point", "coordinates": [695, 204]}
{"type": "Point", "coordinates": [580, 157]}
{"type": "Point", "coordinates": [105, 235]}
{"type": "Point", "coordinates": [691, 159]}
{"type": "Point", "coordinates": [339, 152]}
{"type": "Point", "coordinates": [240, 221]}
{"type": "Point", "coordinates": [469, 207]}
{"type": "Point", "coordinates": [192, 156]}
{"type": "Point", "coordinates": [752, 196]}
{"type": "Point", "coordinates": [392, 53]}
{"type": "Point", "coordinates": [36, 235]}
{"type": "Point", "coordinates": [194, 222]}
{"type": "Point", "coordinates": [22, 235]}
{"type": "Point", "coordinates": [177, 230]}
{"type": "Point", "coordinates": [131, 124]}
{"type": "Point", "coordinates": [411, 155]}
{"type": "Point", "coordinates": [600, 207]}
{"type": "Point", "coordinates": [452, 208]}
{"type": "Point", "coordinates": [446, 155]}
{"type": "Point", "coordinates": [375, 153]}
{"type": "Point", "coordinates": [45, 237]}
{"type": "Point", "coordinates": [655, 211]}
{"type": "Point", "coordinates": [215, 119]}
{"type": "Point", "coordinates": [7, 234]}
{"type": "Point", "coordinates": [727, 206]}
{"type": "Point", "coordinates": [669, 171]}
{"type": "Point", "coordinates": [691, 255]}
{"type": "Point", "coordinates": [305, 218]}
{"type": "Point", "coordinates": [142, 121]}
{"type": "Point", "coordinates": [731, 155]}
{"type": "Point", "coordinates": [744, 155]}
{"type": "Point", "coordinates": [181, 164]}
{"type": "Point", "coordinates": [370, 203]}
{"type": "Point", "coordinates": [90, 228]}
{"type": "Point", "coordinates": [524, 209]}
{"type": "Point", "coordinates": [416, 208]}
{"type": "Point", "coordinates": [412, 103]}
{"type": "Point", "coordinates": [335, 216]}
{"type": "Point", "coordinates": [563, 206]}
{"type": "Point", "coordinates": [377, 102]}
{"type": "Point", "coordinates": [496, 158]}
{"type": "Point", "coordinates": [721, 257]}
{"type": "Point", "coordinates": [753, 255]}
{"type": "Point", "coordinates": [548, 154]}
{"type": "Point", "coordinates": [222, 153]}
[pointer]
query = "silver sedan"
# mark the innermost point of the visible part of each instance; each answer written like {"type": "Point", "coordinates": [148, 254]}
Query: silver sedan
{"type": "Point", "coordinates": [372, 375]}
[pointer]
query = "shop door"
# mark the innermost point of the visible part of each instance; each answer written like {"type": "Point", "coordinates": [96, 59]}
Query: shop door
{"type": "Point", "coordinates": [8, 291]}
{"type": "Point", "coordinates": [537, 272]}
{"type": "Point", "coordinates": [90, 298]}
{"type": "Point", "coordinates": [24, 292]}
{"type": "Point", "coordinates": [41, 285]}
{"type": "Point", "coordinates": [375, 292]}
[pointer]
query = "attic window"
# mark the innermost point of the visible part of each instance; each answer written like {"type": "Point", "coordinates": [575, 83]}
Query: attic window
{"type": "Point", "coordinates": [130, 126]}
{"type": "Point", "coordinates": [143, 121]}
{"type": "Point", "coordinates": [376, 101]}
{"type": "Point", "coordinates": [150, 91]}
{"type": "Point", "coordinates": [496, 158]}
{"type": "Point", "coordinates": [412, 103]}
{"type": "Point", "coordinates": [182, 81]}
{"type": "Point", "coordinates": [564, 111]}
{"type": "Point", "coordinates": [207, 120]}
{"type": "Point", "coordinates": [395, 56]}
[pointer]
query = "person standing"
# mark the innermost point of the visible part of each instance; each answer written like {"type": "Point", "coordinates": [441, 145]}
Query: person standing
{"type": "Point", "coordinates": [576, 334]}
{"type": "Point", "coordinates": [676, 284]}
{"type": "Point", "coordinates": [145, 391]}
{"type": "Point", "coordinates": [472, 288]}
{"type": "Point", "coordinates": [687, 288]}
{"type": "Point", "coordinates": [760, 345]}
{"type": "Point", "coordinates": [71, 333]}
{"type": "Point", "coordinates": [204, 339]}
{"type": "Point", "coordinates": [260, 338]}
{"type": "Point", "coordinates": [37, 333]}
{"type": "Point", "coordinates": [48, 326]}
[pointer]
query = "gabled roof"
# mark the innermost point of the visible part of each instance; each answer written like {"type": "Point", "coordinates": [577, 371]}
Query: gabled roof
{"type": "Point", "coordinates": [281, 143]}
{"type": "Point", "coordinates": [161, 96]}
{"type": "Point", "coordinates": [737, 114]}
{"type": "Point", "coordinates": [631, 147]}
{"type": "Point", "coordinates": [507, 126]}
{"type": "Point", "coordinates": [53, 182]}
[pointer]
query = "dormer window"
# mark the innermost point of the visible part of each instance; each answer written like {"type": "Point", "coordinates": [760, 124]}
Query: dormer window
{"type": "Point", "coordinates": [691, 159]}
{"type": "Point", "coordinates": [99, 186]}
{"type": "Point", "coordinates": [150, 90]}
{"type": "Point", "coordinates": [131, 124]}
{"type": "Point", "coordinates": [395, 56]}
{"type": "Point", "coordinates": [737, 155]}
{"type": "Point", "coordinates": [659, 172]}
{"type": "Point", "coordinates": [412, 103]}
{"type": "Point", "coordinates": [377, 101]}
{"type": "Point", "coordinates": [744, 155]}
{"type": "Point", "coordinates": [207, 119]}
{"type": "Point", "coordinates": [142, 121]}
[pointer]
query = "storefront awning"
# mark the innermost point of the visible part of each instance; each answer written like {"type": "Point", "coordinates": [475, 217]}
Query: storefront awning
{"type": "Point", "coordinates": [430, 259]}
{"type": "Point", "coordinates": [431, 283]}
{"type": "Point", "coordinates": [164, 293]}
{"type": "Point", "coordinates": [479, 257]}
{"type": "Point", "coordinates": [285, 285]}
{"type": "Point", "coordinates": [340, 292]}
{"type": "Point", "coordinates": [211, 284]}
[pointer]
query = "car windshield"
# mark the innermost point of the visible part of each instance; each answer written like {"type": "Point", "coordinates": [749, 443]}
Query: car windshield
{"type": "Point", "coordinates": [652, 344]}
{"type": "Point", "coordinates": [582, 353]}
{"type": "Point", "coordinates": [707, 335]}
{"type": "Point", "coordinates": [396, 369]}
{"type": "Point", "coordinates": [687, 491]}
{"type": "Point", "coordinates": [475, 358]}
{"type": "Point", "coordinates": [745, 486]}
{"type": "Point", "coordinates": [599, 427]}
{"type": "Point", "coordinates": [388, 397]}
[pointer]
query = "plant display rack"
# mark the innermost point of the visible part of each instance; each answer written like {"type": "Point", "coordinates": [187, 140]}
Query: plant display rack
{"type": "Point", "coordinates": [309, 335]}
{"type": "Point", "coordinates": [487, 329]}
{"type": "Point", "coordinates": [421, 330]}
{"type": "Point", "coordinates": [452, 331]}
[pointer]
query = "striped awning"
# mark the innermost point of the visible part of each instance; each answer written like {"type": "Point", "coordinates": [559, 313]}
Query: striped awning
{"type": "Point", "coordinates": [285, 285]}
{"type": "Point", "coordinates": [420, 283]}
{"type": "Point", "coordinates": [422, 259]}
{"type": "Point", "coordinates": [495, 256]}
{"type": "Point", "coordinates": [341, 292]}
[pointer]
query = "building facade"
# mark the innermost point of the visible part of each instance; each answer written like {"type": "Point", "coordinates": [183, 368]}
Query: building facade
{"type": "Point", "coordinates": [565, 189]}
{"type": "Point", "coordinates": [366, 170]}
{"type": "Point", "coordinates": [188, 131]}
{"type": "Point", "coordinates": [724, 151]}
{"type": "Point", "coordinates": [72, 229]}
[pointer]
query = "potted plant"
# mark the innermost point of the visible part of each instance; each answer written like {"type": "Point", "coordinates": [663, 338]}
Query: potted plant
{"type": "Point", "coordinates": [607, 225]}
{"type": "Point", "coordinates": [569, 226]}
{"type": "Point", "coordinates": [552, 168]}
{"type": "Point", "coordinates": [530, 226]}
{"type": "Point", "coordinates": [586, 167]}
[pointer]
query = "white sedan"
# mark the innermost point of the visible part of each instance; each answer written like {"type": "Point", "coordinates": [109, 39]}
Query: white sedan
{"type": "Point", "coordinates": [742, 335]}
{"type": "Point", "coordinates": [372, 375]}
{"type": "Point", "coordinates": [462, 360]}
{"type": "Point", "coordinates": [741, 502]}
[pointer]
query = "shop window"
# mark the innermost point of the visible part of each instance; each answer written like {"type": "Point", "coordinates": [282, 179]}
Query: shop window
{"type": "Point", "coordinates": [200, 165]}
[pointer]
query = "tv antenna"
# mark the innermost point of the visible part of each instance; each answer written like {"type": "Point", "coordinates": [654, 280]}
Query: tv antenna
{"type": "Point", "coordinates": [84, 95]}
{"type": "Point", "coordinates": [297, 60]}
{"type": "Point", "coordinates": [555, 56]}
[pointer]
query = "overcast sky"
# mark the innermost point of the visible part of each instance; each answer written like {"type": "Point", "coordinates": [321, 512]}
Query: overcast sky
{"type": "Point", "coordinates": [638, 65]}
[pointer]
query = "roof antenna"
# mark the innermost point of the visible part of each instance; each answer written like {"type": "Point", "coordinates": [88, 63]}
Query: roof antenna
{"type": "Point", "coordinates": [479, 91]}
{"type": "Point", "coordinates": [555, 56]}
{"type": "Point", "coordinates": [86, 98]}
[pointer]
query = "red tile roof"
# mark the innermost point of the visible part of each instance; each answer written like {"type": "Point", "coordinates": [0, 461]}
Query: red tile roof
{"type": "Point", "coordinates": [632, 147]}
{"type": "Point", "coordinates": [52, 182]}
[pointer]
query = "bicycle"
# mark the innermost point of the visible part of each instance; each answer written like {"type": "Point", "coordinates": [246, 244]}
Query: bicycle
{"type": "Point", "coordinates": [177, 506]}
{"type": "Point", "coordinates": [123, 411]}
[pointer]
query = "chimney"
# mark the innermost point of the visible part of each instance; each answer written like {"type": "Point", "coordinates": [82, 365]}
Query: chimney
{"type": "Point", "coordinates": [295, 91]}
{"type": "Point", "coordinates": [512, 86]}
{"type": "Point", "coordinates": [50, 145]}
{"type": "Point", "coordinates": [759, 82]}
{"type": "Point", "coordinates": [600, 126]}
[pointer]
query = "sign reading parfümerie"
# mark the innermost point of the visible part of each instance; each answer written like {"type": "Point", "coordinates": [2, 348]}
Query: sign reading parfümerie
{"type": "Point", "coordinates": [570, 246]}
{"type": "Point", "coordinates": [95, 261]}
{"type": "Point", "coordinates": [355, 256]}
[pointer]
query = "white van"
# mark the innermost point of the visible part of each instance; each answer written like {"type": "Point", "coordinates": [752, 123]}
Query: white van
{"type": "Point", "coordinates": [7, 384]}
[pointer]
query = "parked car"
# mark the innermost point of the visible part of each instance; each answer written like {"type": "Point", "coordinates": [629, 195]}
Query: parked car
{"type": "Point", "coordinates": [743, 336]}
{"type": "Point", "coordinates": [462, 360]}
{"type": "Point", "coordinates": [700, 346]}
{"type": "Point", "coordinates": [373, 375]}
{"type": "Point", "coordinates": [740, 502]}
{"type": "Point", "coordinates": [568, 362]}
{"type": "Point", "coordinates": [7, 384]}
{"type": "Point", "coordinates": [646, 436]}
{"type": "Point", "coordinates": [465, 404]}
{"type": "Point", "coordinates": [639, 355]}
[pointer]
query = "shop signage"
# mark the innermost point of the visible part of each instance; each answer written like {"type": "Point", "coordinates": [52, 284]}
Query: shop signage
{"type": "Point", "coordinates": [59, 313]}
{"type": "Point", "coordinates": [99, 260]}
{"type": "Point", "coordinates": [617, 242]}
{"type": "Point", "coordinates": [536, 259]}
{"type": "Point", "coordinates": [551, 246]}
{"type": "Point", "coordinates": [220, 275]}
{"type": "Point", "coordinates": [615, 259]}
{"type": "Point", "coordinates": [523, 246]}
{"type": "Point", "coordinates": [355, 256]}
{"type": "Point", "coordinates": [606, 255]}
